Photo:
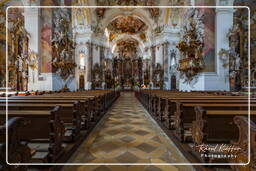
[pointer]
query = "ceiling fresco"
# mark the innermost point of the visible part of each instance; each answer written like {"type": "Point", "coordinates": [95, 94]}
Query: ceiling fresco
{"type": "Point", "coordinates": [154, 12]}
{"type": "Point", "coordinates": [126, 2]}
{"type": "Point", "coordinates": [127, 24]}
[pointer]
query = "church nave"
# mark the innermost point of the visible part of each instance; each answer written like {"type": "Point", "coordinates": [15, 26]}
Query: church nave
{"type": "Point", "coordinates": [127, 134]}
{"type": "Point", "coordinates": [128, 85]}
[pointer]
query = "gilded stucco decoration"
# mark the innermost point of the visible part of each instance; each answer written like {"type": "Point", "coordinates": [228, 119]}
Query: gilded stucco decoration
{"type": "Point", "coordinates": [127, 24]}
{"type": "Point", "coordinates": [18, 39]}
{"type": "Point", "coordinates": [154, 12]}
{"type": "Point", "coordinates": [191, 46]}
{"type": "Point", "coordinates": [63, 44]}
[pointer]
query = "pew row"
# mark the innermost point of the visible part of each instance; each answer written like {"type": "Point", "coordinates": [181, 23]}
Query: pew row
{"type": "Point", "coordinates": [44, 132]}
{"type": "Point", "coordinates": [18, 151]}
{"type": "Point", "coordinates": [175, 113]}
{"type": "Point", "coordinates": [216, 127]}
{"type": "Point", "coordinates": [72, 106]}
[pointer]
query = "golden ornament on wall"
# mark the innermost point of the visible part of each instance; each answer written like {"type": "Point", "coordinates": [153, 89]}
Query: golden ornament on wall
{"type": "Point", "coordinates": [112, 36]}
{"type": "Point", "coordinates": [191, 46]}
{"type": "Point", "coordinates": [32, 60]}
{"type": "Point", "coordinates": [143, 36]}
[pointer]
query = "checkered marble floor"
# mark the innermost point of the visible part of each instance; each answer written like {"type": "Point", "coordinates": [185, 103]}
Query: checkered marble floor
{"type": "Point", "coordinates": [127, 134]}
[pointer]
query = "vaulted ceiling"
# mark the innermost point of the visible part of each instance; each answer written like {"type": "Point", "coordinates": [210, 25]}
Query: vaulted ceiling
{"type": "Point", "coordinates": [127, 24]}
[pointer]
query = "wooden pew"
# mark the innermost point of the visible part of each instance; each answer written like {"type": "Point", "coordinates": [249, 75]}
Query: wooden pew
{"type": "Point", "coordinates": [84, 108]}
{"type": "Point", "coordinates": [44, 132]}
{"type": "Point", "coordinates": [185, 114]}
{"type": "Point", "coordinates": [162, 105]}
{"type": "Point", "coordinates": [169, 108]}
{"type": "Point", "coordinates": [96, 102]}
{"type": "Point", "coordinates": [242, 142]}
{"type": "Point", "coordinates": [18, 151]}
{"type": "Point", "coordinates": [69, 114]}
{"type": "Point", "coordinates": [94, 108]}
{"type": "Point", "coordinates": [215, 127]}
{"type": "Point", "coordinates": [30, 105]}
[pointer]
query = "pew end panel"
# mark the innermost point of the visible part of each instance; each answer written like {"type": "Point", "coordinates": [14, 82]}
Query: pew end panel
{"type": "Point", "coordinates": [18, 151]}
{"type": "Point", "coordinates": [242, 142]}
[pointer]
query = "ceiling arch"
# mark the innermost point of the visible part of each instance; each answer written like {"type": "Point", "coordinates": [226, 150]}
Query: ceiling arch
{"type": "Point", "coordinates": [127, 48]}
{"type": "Point", "coordinates": [127, 24]}
{"type": "Point", "coordinates": [120, 37]}
{"type": "Point", "coordinates": [142, 14]}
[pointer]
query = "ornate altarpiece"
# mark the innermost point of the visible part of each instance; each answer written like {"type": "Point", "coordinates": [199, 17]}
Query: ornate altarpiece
{"type": "Point", "coordinates": [63, 45]}
{"type": "Point", "coordinates": [158, 76]}
{"type": "Point", "coordinates": [18, 52]}
{"type": "Point", "coordinates": [128, 72]}
{"type": "Point", "coordinates": [237, 55]}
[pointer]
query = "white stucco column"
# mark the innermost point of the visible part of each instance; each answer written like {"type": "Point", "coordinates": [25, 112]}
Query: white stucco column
{"type": "Point", "coordinates": [82, 38]}
{"type": "Point", "coordinates": [80, 49]}
{"type": "Point", "coordinates": [171, 36]}
{"type": "Point", "coordinates": [224, 21]}
{"type": "Point", "coordinates": [32, 26]}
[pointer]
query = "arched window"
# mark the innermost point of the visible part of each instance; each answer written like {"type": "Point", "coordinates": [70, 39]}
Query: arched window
{"type": "Point", "coordinates": [82, 60]}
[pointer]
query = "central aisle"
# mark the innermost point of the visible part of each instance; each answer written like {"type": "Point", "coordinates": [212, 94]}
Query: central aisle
{"type": "Point", "coordinates": [127, 134]}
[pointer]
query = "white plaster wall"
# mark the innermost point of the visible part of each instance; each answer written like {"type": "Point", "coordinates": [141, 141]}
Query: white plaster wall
{"type": "Point", "coordinates": [205, 81]}
{"type": "Point", "coordinates": [196, 84]}
{"type": "Point", "coordinates": [32, 26]}
{"type": "Point", "coordinates": [58, 83]}
{"type": "Point", "coordinates": [45, 81]}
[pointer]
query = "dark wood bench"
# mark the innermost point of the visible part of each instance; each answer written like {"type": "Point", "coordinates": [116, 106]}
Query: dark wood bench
{"type": "Point", "coordinates": [84, 106]}
{"type": "Point", "coordinates": [185, 114]}
{"type": "Point", "coordinates": [215, 127]}
{"type": "Point", "coordinates": [70, 114]}
{"type": "Point", "coordinates": [94, 108]}
{"type": "Point", "coordinates": [18, 151]}
{"type": "Point", "coordinates": [242, 156]}
{"type": "Point", "coordinates": [44, 132]}
{"type": "Point", "coordinates": [169, 107]}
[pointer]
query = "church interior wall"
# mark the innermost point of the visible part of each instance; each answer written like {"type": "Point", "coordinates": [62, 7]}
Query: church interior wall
{"type": "Point", "coordinates": [88, 27]}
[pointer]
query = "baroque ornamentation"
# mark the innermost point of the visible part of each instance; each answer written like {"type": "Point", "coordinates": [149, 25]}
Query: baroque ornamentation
{"type": "Point", "coordinates": [191, 46]}
{"type": "Point", "coordinates": [127, 48]}
{"type": "Point", "coordinates": [18, 51]}
{"type": "Point", "coordinates": [127, 24]}
{"type": "Point", "coordinates": [2, 47]}
{"type": "Point", "coordinates": [229, 56]}
{"type": "Point", "coordinates": [238, 39]}
{"type": "Point", "coordinates": [63, 44]}
{"type": "Point", "coordinates": [97, 76]}
{"type": "Point", "coordinates": [158, 76]}
{"type": "Point", "coordinates": [154, 12]}
{"type": "Point", "coordinates": [32, 60]}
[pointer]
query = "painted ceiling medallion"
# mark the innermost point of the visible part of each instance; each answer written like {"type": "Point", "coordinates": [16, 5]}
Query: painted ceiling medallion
{"type": "Point", "coordinates": [127, 24]}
